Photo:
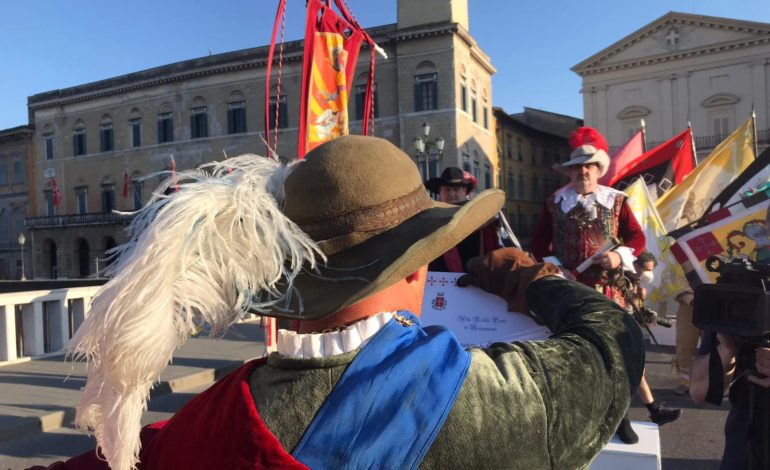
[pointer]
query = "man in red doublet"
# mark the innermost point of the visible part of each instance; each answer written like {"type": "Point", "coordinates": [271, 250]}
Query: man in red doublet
{"type": "Point", "coordinates": [581, 219]}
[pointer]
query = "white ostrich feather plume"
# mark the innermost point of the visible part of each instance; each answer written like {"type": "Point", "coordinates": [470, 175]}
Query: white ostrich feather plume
{"type": "Point", "coordinates": [196, 255]}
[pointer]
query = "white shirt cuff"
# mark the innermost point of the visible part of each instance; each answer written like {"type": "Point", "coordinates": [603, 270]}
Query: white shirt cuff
{"type": "Point", "coordinates": [627, 257]}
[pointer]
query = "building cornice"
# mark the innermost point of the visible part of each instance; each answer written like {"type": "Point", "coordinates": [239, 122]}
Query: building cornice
{"type": "Point", "coordinates": [245, 59]}
{"type": "Point", "coordinates": [16, 134]}
{"type": "Point", "coordinates": [679, 55]}
{"type": "Point", "coordinates": [594, 64]}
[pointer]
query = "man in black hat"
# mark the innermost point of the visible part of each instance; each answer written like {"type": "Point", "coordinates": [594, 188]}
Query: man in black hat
{"type": "Point", "coordinates": [453, 187]}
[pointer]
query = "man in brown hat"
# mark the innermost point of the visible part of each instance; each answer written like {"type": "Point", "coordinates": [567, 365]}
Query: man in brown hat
{"type": "Point", "coordinates": [341, 242]}
{"type": "Point", "coordinates": [454, 187]}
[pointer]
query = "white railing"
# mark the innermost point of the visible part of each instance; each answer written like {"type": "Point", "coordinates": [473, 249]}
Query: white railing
{"type": "Point", "coordinates": [40, 322]}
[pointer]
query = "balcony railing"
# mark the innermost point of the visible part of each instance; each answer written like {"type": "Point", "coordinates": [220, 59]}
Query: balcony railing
{"type": "Point", "coordinates": [73, 220]}
{"type": "Point", "coordinates": [37, 322]}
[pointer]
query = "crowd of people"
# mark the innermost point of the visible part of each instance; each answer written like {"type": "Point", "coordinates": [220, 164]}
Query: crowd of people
{"type": "Point", "coordinates": [346, 238]}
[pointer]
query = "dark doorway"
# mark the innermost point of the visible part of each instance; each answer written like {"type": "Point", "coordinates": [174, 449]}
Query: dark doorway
{"type": "Point", "coordinates": [84, 268]}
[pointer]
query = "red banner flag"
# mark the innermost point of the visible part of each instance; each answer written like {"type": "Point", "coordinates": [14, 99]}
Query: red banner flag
{"type": "Point", "coordinates": [623, 157]}
{"type": "Point", "coordinates": [664, 166]}
{"type": "Point", "coordinates": [126, 182]}
{"type": "Point", "coordinates": [55, 193]}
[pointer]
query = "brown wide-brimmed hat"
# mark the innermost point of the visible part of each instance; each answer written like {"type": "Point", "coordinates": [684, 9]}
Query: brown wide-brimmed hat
{"type": "Point", "coordinates": [451, 176]}
{"type": "Point", "coordinates": [362, 200]}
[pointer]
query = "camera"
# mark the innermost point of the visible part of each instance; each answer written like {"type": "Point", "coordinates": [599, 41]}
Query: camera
{"type": "Point", "coordinates": [739, 303]}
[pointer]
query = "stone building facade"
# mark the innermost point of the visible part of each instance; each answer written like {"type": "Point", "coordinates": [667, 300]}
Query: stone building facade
{"type": "Point", "coordinates": [529, 144]}
{"type": "Point", "coordinates": [681, 67]}
{"type": "Point", "coordinates": [16, 150]}
{"type": "Point", "coordinates": [101, 145]}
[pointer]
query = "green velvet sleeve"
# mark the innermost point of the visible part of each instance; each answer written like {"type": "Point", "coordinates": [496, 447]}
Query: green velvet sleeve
{"type": "Point", "coordinates": [587, 371]}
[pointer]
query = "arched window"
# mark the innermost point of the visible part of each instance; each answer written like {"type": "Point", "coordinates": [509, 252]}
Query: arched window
{"type": "Point", "coordinates": [199, 119]}
{"type": "Point", "coordinates": [165, 123]}
{"type": "Point", "coordinates": [463, 89]}
{"type": "Point", "coordinates": [426, 87]}
{"type": "Point", "coordinates": [474, 102]}
{"type": "Point", "coordinates": [278, 108]}
{"type": "Point", "coordinates": [135, 124]}
{"type": "Point", "coordinates": [236, 113]}
{"type": "Point", "coordinates": [5, 224]}
{"type": "Point", "coordinates": [360, 96]}
{"type": "Point", "coordinates": [108, 194]}
{"type": "Point", "coordinates": [48, 141]}
{"type": "Point", "coordinates": [106, 136]}
{"type": "Point", "coordinates": [79, 138]}
{"type": "Point", "coordinates": [137, 190]}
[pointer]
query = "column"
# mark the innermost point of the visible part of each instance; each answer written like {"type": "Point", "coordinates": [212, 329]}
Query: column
{"type": "Point", "coordinates": [58, 319]}
{"type": "Point", "coordinates": [667, 110]}
{"type": "Point", "coordinates": [8, 333]}
{"type": "Point", "coordinates": [759, 92]}
{"type": "Point", "coordinates": [78, 312]}
{"type": "Point", "coordinates": [34, 334]}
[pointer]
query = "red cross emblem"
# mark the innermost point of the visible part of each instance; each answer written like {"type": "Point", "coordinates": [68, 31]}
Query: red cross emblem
{"type": "Point", "coordinates": [705, 245]}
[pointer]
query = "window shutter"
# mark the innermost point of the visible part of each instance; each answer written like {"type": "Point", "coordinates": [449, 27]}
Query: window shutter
{"type": "Point", "coordinates": [434, 93]}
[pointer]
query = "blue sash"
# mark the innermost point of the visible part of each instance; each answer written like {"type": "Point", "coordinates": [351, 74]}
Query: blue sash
{"type": "Point", "coordinates": [389, 405]}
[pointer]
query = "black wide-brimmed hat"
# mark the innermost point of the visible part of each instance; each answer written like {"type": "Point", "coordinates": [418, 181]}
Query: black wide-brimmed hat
{"type": "Point", "coordinates": [451, 176]}
{"type": "Point", "coordinates": [361, 199]}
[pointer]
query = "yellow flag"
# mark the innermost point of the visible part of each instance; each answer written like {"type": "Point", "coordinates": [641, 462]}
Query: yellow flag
{"type": "Point", "coordinates": [669, 276]}
{"type": "Point", "coordinates": [687, 201]}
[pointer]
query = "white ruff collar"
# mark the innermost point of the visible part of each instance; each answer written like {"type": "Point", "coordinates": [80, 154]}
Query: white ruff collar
{"type": "Point", "coordinates": [567, 198]}
{"type": "Point", "coordinates": [315, 345]}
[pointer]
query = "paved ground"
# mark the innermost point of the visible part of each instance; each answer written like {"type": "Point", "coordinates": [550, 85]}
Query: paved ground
{"type": "Point", "coordinates": [35, 395]}
{"type": "Point", "coordinates": [38, 398]}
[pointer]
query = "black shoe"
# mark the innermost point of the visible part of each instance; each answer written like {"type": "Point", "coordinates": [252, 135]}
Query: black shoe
{"type": "Point", "coordinates": [626, 433]}
{"type": "Point", "coordinates": [661, 415]}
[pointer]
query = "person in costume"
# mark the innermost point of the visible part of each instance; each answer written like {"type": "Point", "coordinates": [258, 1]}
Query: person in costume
{"type": "Point", "coordinates": [581, 219]}
{"type": "Point", "coordinates": [341, 241]}
{"type": "Point", "coordinates": [454, 186]}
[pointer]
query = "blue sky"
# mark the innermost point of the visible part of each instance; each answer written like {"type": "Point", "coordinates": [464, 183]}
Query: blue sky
{"type": "Point", "coordinates": [51, 44]}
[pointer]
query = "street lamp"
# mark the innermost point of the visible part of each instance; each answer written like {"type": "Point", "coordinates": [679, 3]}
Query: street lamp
{"type": "Point", "coordinates": [22, 240]}
{"type": "Point", "coordinates": [423, 145]}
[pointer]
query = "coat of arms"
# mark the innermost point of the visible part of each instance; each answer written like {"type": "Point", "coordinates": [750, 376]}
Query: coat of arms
{"type": "Point", "coordinates": [439, 303]}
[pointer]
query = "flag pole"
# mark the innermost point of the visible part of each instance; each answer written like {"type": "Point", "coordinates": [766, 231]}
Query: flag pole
{"type": "Point", "coordinates": [692, 141]}
{"type": "Point", "coordinates": [754, 129]}
{"type": "Point", "coordinates": [644, 136]}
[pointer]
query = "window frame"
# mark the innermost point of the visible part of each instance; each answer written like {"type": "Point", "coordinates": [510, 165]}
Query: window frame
{"type": "Point", "coordinates": [426, 91]}
{"type": "Point", "coordinates": [165, 127]}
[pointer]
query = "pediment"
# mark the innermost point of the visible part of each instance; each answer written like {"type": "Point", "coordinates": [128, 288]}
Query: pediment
{"type": "Point", "coordinates": [633, 112]}
{"type": "Point", "coordinates": [720, 99]}
{"type": "Point", "coordinates": [676, 35]}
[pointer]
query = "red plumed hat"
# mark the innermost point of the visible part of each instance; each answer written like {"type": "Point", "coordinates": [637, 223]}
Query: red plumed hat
{"type": "Point", "coordinates": [587, 136]}
{"type": "Point", "coordinates": [588, 146]}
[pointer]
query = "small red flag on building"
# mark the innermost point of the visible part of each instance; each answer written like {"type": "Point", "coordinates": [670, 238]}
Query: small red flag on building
{"type": "Point", "coordinates": [55, 193]}
{"type": "Point", "coordinates": [126, 182]}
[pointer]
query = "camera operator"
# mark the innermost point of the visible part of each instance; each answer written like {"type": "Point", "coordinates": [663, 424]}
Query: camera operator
{"type": "Point", "coordinates": [721, 358]}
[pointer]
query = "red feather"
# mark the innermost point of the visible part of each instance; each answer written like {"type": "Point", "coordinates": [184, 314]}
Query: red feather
{"type": "Point", "coordinates": [587, 136]}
